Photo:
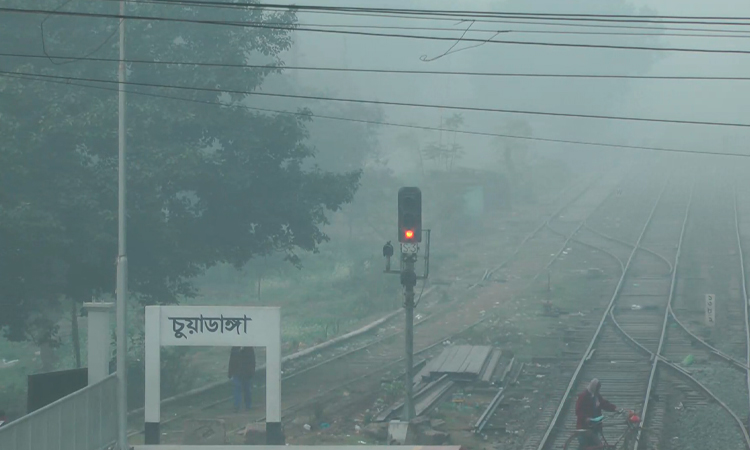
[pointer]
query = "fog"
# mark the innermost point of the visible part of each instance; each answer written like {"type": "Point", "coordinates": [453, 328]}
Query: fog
{"type": "Point", "coordinates": [261, 186]}
{"type": "Point", "coordinates": [720, 101]}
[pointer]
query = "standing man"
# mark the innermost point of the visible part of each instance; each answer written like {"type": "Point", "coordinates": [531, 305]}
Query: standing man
{"type": "Point", "coordinates": [241, 372]}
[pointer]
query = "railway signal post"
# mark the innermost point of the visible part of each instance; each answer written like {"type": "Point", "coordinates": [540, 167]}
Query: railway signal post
{"type": "Point", "coordinates": [409, 236]}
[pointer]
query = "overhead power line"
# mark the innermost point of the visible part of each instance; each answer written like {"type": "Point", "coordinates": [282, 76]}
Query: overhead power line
{"type": "Point", "coordinates": [607, 26]}
{"type": "Point", "coordinates": [514, 31]}
{"type": "Point", "coordinates": [362, 33]}
{"type": "Point", "coordinates": [382, 123]}
{"type": "Point", "coordinates": [427, 12]}
{"type": "Point", "coordinates": [475, 30]}
{"type": "Point", "coordinates": [381, 71]}
{"type": "Point", "coordinates": [391, 103]}
{"type": "Point", "coordinates": [453, 20]}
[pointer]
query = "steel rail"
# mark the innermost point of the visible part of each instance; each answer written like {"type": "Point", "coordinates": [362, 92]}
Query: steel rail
{"type": "Point", "coordinates": [682, 372]}
{"type": "Point", "coordinates": [364, 330]}
{"type": "Point", "coordinates": [658, 358]}
{"type": "Point", "coordinates": [712, 349]}
{"type": "Point", "coordinates": [594, 247]}
{"type": "Point", "coordinates": [490, 410]}
{"type": "Point", "coordinates": [655, 361]}
{"type": "Point", "coordinates": [744, 296]}
{"type": "Point", "coordinates": [487, 275]}
{"type": "Point", "coordinates": [571, 236]}
{"type": "Point", "coordinates": [733, 361]}
{"type": "Point", "coordinates": [493, 406]}
{"type": "Point", "coordinates": [597, 333]}
{"type": "Point", "coordinates": [484, 419]}
{"type": "Point", "coordinates": [285, 412]}
{"type": "Point", "coordinates": [536, 231]}
{"type": "Point", "coordinates": [645, 249]}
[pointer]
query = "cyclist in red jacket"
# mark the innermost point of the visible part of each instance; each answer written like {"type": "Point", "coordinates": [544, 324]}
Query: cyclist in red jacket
{"type": "Point", "coordinates": [589, 405]}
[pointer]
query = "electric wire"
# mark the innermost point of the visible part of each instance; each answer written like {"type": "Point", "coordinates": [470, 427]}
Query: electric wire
{"type": "Point", "coordinates": [393, 103]}
{"type": "Point", "coordinates": [379, 71]}
{"type": "Point", "coordinates": [422, 12]}
{"type": "Point", "coordinates": [395, 16]}
{"type": "Point", "coordinates": [475, 30]}
{"type": "Point", "coordinates": [292, 27]}
{"type": "Point", "coordinates": [383, 123]}
{"type": "Point", "coordinates": [519, 31]}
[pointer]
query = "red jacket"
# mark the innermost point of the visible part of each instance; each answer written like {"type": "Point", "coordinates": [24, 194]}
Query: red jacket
{"type": "Point", "coordinates": [589, 406]}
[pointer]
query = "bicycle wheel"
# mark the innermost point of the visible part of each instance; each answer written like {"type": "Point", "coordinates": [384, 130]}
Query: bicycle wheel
{"type": "Point", "coordinates": [572, 442]}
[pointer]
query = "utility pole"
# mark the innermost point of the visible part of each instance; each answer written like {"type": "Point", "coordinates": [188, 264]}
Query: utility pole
{"type": "Point", "coordinates": [122, 259]}
{"type": "Point", "coordinates": [409, 280]}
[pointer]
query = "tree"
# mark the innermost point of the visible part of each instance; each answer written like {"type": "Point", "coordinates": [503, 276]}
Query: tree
{"type": "Point", "coordinates": [435, 151]}
{"type": "Point", "coordinates": [208, 184]}
{"type": "Point", "coordinates": [410, 139]}
{"type": "Point", "coordinates": [260, 268]}
{"type": "Point", "coordinates": [372, 211]}
{"type": "Point", "coordinates": [514, 157]}
{"type": "Point", "coordinates": [446, 153]}
{"type": "Point", "coordinates": [346, 146]}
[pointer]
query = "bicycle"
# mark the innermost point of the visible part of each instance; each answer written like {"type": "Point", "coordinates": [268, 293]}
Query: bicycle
{"type": "Point", "coordinates": [632, 422]}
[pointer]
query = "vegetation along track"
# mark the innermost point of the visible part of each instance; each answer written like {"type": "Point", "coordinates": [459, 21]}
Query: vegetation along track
{"type": "Point", "coordinates": [615, 352]}
{"type": "Point", "coordinates": [328, 375]}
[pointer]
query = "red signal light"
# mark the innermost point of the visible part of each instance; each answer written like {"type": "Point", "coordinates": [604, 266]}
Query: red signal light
{"type": "Point", "coordinates": [409, 234]}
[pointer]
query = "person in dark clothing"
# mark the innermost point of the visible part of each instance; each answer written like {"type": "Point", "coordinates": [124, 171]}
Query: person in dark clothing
{"type": "Point", "coordinates": [241, 372]}
{"type": "Point", "coordinates": [589, 405]}
{"type": "Point", "coordinates": [3, 419]}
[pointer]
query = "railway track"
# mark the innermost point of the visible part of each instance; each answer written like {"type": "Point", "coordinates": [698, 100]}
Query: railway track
{"type": "Point", "coordinates": [426, 342]}
{"type": "Point", "coordinates": [585, 244]}
{"type": "Point", "coordinates": [639, 331]}
{"type": "Point", "coordinates": [577, 214]}
{"type": "Point", "coordinates": [604, 348]}
{"type": "Point", "coordinates": [365, 361]}
{"type": "Point", "coordinates": [679, 341]}
{"type": "Point", "coordinates": [714, 265]}
{"type": "Point", "coordinates": [745, 299]}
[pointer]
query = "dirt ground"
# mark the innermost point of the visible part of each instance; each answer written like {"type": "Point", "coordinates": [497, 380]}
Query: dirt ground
{"type": "Point", "coordinates": [516, 324]}
{"type": "Point", "coordinates": [512, 304]}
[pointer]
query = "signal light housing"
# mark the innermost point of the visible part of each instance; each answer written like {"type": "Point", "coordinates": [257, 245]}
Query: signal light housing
{"type": "Point", "coordinates": [409, 215]}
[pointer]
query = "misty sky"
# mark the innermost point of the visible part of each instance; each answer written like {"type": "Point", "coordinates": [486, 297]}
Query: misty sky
{"type": "Point", "coordinates": [688, 100]}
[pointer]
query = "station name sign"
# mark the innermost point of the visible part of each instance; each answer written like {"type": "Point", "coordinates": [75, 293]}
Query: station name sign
{"type": "Point", "coordinates": [203, 324]}
{"type": "Point", "coordinates": [217, 325]}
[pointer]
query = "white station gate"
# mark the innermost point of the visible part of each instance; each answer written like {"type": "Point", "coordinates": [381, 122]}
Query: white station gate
{"type": "Point", "coordinates": [212, 326]}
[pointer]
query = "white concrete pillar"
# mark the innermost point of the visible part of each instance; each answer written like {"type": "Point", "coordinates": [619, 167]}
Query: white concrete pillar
{"type": "Point", "coordinates": [99, 339]}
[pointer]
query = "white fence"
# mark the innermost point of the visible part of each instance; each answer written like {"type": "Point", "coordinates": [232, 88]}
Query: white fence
{"type": "Point", "coordinates": [83, 420]}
